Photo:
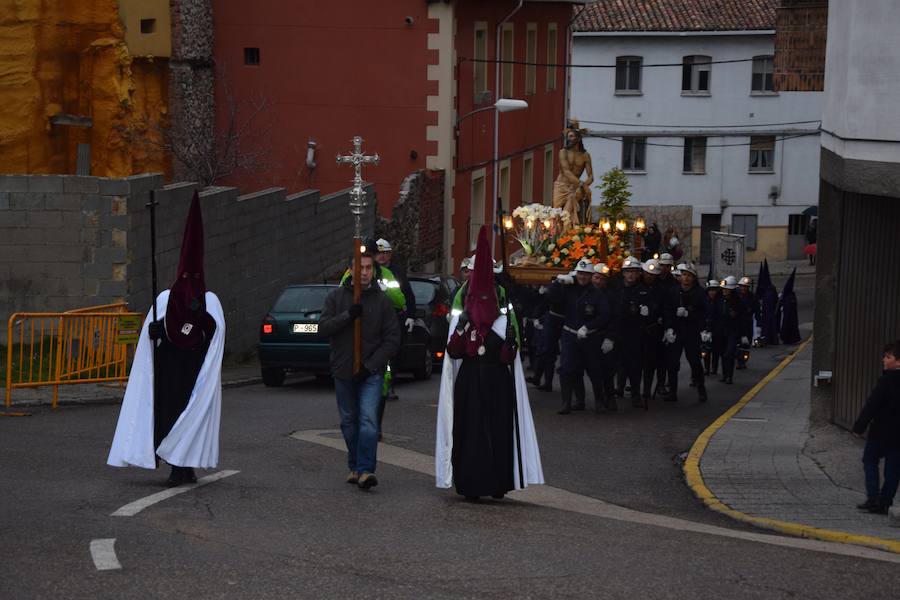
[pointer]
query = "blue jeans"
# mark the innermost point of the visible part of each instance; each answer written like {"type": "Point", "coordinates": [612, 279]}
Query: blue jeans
{"type": "Point", "coordinates": [872, 455]}
{"type": "Point", "coordinates": [358, 406]}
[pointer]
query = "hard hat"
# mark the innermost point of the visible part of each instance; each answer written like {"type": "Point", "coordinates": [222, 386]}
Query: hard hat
{"type": "Point", "coordinates": [745, 281]}
{"type": "Point", "coordinates": [666, 259]}
{"type": "Point", "coordinates": [584, 266]}
{"type": "Point", "coordinates": [688, 267]}
{"type": "Point", "coordinates": [495, 266]}
{"type": "Point", "coordinates": [602, 269]}
{"type": "Point", "coordinates": [712, 284]}
{"type": "Point", "coordinates": [675, 272]}
{"type": "Point", "coordinates": [651, 266]}
{"type": "Point", "coordinates": [383, 245]}
{"type": "Point", "coordinates": [631, 263]}
{"type": "Point", "coordinates": [465, 263]}
{"type": "Point", "coordinates": [729, 283]}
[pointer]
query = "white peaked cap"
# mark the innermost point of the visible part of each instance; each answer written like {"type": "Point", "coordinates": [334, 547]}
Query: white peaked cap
{"type": "Point", "coordinates": [382, 245]}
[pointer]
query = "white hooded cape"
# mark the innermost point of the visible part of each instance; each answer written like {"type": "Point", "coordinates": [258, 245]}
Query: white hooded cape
{"type": "Point", "coordinates": [194, 438]}
{"type": "Point", "coordinates": [531, 456]}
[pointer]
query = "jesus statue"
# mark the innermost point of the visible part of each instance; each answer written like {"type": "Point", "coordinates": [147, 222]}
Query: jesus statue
{"type": "Point", "coordinates": [569, 191]}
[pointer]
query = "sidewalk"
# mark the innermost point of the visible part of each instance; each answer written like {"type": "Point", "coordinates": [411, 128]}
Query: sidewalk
{"type": "Point", "coordinates": [779, 269]}
{"type": "Point", "coordinates": [107, 393]}
{"type": "Point", "coordinates": [766, 464]}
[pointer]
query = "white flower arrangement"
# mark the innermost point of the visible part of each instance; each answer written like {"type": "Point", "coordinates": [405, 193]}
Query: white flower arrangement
{"type": "Point", "coordinates": [536, 224]}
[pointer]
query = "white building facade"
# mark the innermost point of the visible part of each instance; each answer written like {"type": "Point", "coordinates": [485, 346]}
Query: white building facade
{"type": "Point", "coordinates": [706, 131]}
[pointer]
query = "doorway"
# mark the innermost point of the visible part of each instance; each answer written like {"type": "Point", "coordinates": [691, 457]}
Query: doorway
{"type": "Point", "coordinates": [708, 224]}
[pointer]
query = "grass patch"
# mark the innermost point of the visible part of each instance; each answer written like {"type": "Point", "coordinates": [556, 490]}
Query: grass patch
{"type": "Point", "coordinates": [40, 367]}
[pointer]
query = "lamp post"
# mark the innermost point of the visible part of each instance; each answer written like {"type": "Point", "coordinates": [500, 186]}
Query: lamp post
{"type": "Point", "coordinates": [502, 105]}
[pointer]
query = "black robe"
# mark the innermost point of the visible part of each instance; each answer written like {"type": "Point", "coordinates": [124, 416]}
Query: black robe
{"type": "Point", "coordinates": [484, 398]}
{"type": "Point", "coordinates": [788, 319]}
{"type": "Point", "coordinates": [174, 379]}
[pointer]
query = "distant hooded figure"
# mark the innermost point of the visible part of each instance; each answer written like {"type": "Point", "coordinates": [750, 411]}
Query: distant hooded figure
{"type": "Point", "coordinates": [788, 320]}
{"type": "Point", "coordinates": [767, 299]}
{"type": "Point", "coordinates": [485, 442]}
{"type": "Point", "coordinates": [173, 413]}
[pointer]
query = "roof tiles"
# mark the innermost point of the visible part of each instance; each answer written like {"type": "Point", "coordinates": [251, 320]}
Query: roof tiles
{"type": "Point", "coordinates": [677, 15]}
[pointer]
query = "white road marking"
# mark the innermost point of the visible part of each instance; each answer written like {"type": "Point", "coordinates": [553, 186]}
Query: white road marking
{"type": "Point", "coordinates": [104, 554]}
{"type": "Point", "coordinates": [133, 508]}
{"type": "Point", "coordinates": [552, 497]}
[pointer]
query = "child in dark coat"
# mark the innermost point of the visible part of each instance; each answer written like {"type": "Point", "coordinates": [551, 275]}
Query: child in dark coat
{"type": "Point", "coordinates": [881, 415]}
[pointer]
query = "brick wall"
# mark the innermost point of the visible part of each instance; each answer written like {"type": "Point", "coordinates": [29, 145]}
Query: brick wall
{"type": "Point", "coordinates": [68, 242]}
{"type": "Point", "coordinates": [801, 29]}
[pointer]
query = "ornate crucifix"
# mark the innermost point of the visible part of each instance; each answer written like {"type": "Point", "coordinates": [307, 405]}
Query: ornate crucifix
{"type": "Point", "coordinates": [357, 209]}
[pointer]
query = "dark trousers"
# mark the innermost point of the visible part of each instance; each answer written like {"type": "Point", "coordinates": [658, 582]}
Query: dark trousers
{"type": "Point", "coordinates": [729, 352]}
{"type": "Point", "coordinates": [872, 455]}
{"type": "Point", "coordinates": [687, 343]}
{"type": "Point", "coordinates": [650, 340]}
{"type": "Point", "coordinates": [573, 362]}
{"type": "Point", "coordinates": [630, 355]}
{"type": "Point", "coordinates": [602, 370]}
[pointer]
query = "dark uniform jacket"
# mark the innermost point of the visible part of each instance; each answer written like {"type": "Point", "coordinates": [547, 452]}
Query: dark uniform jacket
{"type": "Point", "coordinates": [630, 301]}
{"type": "Point", "coordinates": [582, 306]}
{"type": "Point", "coordinates": [881, 412]}
{"type": "Point", "coordinates": [694, 300]}
{"type": "Point", "coordinates": [729, 313]}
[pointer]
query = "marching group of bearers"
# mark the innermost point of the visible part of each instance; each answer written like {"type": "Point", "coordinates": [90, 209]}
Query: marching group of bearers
{"type": "Point", "coordinates": [629, 331]}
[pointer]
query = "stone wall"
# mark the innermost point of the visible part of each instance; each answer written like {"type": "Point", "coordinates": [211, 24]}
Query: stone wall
{"type": "Point", "coordinates": [677, 216]}
{"type": "Point", "coordinates": [416, 226]}
{"type": "Point", "coordinates": [68, 242]}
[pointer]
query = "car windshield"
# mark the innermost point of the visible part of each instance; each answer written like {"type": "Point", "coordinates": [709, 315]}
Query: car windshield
{"type": "Point", "coordinates": [302, 299]}
{"type": "Point", "coordinates": [423, 290]}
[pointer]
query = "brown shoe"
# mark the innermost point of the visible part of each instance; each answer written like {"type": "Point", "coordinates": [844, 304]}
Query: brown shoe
{"type": "Point", "coordinates": [353, 477]}
{"type": "Point", "coordinates": [367, 480]}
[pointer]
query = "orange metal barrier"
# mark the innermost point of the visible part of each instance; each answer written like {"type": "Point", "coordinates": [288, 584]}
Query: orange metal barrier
{"type": "Point", "coordinates": [86, 345]}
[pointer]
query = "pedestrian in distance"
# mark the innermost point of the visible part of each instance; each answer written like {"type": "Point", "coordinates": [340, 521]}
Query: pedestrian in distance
{"type": "Point", "coordinates": [173, 400]}
{"type": "Point", "coordinates": [485, 444]}
{"type": "Point", "coordinates": [652, 241]}
{"type": "Point", "coordinates": [359, 392]}
{"type": "Point", "coordinates": [812, 234]}
{"type": "Point", "coordinates": [881, 416]}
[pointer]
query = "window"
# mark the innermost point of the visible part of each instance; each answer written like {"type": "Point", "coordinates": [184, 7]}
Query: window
{"type": "Point", "coordinates": [148, 25]}
{"type": "Point", "coordinates": [762, 153]}
{"type": "Point", "coordinates": [527, 178]}
{"type": "Point", "coordinates": [634, 153]}
{"type": "Point", "coordinates": [507, 52]}
{"type": "Point", "coordinates": [628, 74]}
{"type": "Point", "coordinates": [504, 186]}
{"type": "Point", "coordinates": [763, 68]}
{"type": "Point", "coordinates": [548, 174]}
{"type": "Point", "coordinates": [797, 224]}
{"type": "Point", "coordinates": [531, 57]}
{"type": "Point", "coordinates": [476, 216]}
{"type": "Point", "coordinates": [746, 225]}
{"type": "Point", "coordinates": [694, 155]}
{"type": "Point", "coordinates": [251, 56]}
{"type": "Point", "coordinates": [695, 74]}
{"type": "Point", "coordinates": [480, 68]}
{"type": "Point", "coordinates": [551, 57]}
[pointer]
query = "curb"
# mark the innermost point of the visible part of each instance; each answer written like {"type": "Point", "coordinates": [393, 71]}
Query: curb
{"type": "Point", "coordinates": [695, 480]}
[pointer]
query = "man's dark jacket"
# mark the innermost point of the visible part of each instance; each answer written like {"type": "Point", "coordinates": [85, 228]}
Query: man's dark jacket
{"type": "Point", "coordinates": [881, 412]}
{"type": "Point", "coordinates": [380, 330]}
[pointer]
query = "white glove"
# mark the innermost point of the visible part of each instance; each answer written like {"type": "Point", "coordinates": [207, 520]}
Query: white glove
{"type": "Point", "coordinates": [565, 279]}
{"type": "Point", "coordinates": [542, 290]}
{"type": "Point", "coordinates": [582, 332]}
{"type": "Point", "coordinates": [669, 336]}
{"type": "Point", "coordinates": [410, 323]}
{"type": "Point", "coordinates": [607, 346]}
{"type": "Point", "coordinates": [705, 337]}
{"type": "Point", "coordinates": [644, 310]}
{"type": "Point", "coordinates": [382, 285]}
{"type": "Point", "coordinates": [745, 341]}
{"type": "Point", "coordinates": [681, 312]}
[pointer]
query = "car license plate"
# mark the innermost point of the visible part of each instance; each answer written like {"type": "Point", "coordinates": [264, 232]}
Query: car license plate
{"type": "Point", "coordinates": [306, 328]}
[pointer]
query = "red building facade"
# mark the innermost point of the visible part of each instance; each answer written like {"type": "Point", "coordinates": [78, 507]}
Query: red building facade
{"type": "Point", "coordinates": [399, 74]}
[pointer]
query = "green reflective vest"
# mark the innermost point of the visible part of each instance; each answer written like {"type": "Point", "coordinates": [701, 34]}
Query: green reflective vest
{"type": "Point", "coordinates": [388, 283]}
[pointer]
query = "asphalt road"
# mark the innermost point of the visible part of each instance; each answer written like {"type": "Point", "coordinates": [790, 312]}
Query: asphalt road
{"type": "Point", "coordinates": [287, 526]}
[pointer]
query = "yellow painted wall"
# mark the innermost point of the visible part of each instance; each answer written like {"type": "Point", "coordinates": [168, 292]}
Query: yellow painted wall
{"type": "Point", "coordinates": [157, 43]}
{"type": "Point", "coordinates": [70, 57]}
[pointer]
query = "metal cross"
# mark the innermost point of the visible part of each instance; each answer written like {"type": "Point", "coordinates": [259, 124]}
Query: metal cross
{"type": "Point", "coordinates": [357, 194]}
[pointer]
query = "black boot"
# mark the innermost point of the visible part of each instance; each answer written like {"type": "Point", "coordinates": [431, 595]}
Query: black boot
{"type": "Point", "coordinates": [176, 476]}
{"type": "Point", "coordinates": [578, 389]}
{"type": "Point", "coordinates": [672, 395]}
{"type": "Point", "coordinates": [701, 392]}
{"type": "Point", "coordinates": [566, 390]}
